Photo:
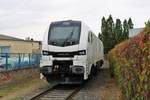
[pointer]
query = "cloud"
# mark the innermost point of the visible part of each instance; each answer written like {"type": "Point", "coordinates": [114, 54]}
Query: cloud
{"type": "Point", "coordinates": [31, 17]}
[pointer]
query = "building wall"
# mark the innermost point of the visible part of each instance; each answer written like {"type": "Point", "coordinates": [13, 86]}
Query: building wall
{"type": "Point", "coordinates": [135, 31]}
{"type": "Point", "coordinates": [21, 46]}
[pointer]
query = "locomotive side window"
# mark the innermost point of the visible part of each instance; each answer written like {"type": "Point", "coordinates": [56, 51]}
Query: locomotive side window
{"type": "Point", "coordinates": [89, 37]}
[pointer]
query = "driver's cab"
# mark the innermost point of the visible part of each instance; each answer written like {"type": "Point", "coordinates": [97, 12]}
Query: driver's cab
{"type": "Point", "coordinates": [64, 33]}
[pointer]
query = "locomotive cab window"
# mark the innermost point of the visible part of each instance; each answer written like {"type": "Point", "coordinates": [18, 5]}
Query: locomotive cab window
{"type": "Point", "coordinates": [64, 33]}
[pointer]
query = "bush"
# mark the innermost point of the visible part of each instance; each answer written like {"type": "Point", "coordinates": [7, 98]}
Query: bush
{"type": "Point", "coordinates": [130, 64]}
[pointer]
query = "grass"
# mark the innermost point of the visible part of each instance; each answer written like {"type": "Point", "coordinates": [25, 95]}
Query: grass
{"type": "Point", "coordinates": [17, 91]}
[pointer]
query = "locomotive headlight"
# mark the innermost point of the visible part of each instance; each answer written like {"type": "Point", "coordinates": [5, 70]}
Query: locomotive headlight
{"type": "Point", "coordinates": [45, 52]}
{"type": "Point", "coordinates": [82, 52]}
{"type": "Point", "coordinates": [77, 70]}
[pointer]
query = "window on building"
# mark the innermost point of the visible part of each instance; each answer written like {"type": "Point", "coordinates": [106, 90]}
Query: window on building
{"type": "Point", "coordinates": [4, 50]}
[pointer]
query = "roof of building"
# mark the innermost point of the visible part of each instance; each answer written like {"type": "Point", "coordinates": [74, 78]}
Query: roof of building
{"type": "Point", "coordinates": [8, 37]}
{"type": "Point", "coordinates": [135, 31]}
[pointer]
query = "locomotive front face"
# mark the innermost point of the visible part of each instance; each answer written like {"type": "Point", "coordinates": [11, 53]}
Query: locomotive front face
{"type": "Point", "coordinates": [62, 61]}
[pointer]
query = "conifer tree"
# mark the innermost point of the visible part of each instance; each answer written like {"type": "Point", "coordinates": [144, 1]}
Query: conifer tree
{"type": "Point", "coordinates": [118, 31]}
{"type": "Point", "coordinates": [130, 24]}
{"type": "Point", "coordinates": [104, 34]}
{"type": "Point", "coordinates": [111, 36]}
{"type": "Point", "coordinates": [103, 28]}
{"type": "Point", "coordinates": [125, 30]}
{"type": "Point", "coordinates": [114, 33]}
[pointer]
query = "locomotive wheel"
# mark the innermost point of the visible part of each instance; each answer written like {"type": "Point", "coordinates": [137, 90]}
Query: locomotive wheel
{"type": "Point", "coordinates": [93, 72]}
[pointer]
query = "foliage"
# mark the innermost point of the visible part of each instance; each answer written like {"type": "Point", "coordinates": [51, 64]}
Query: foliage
{"type": "Point", "coordinates": [118, 31]}
{"type": "Point", "coordinates": [125, 30]}
{"type": "Point", "coordinates": [110, 31]}
{"type": "Point", "coordinates": [104, 36]}
{"type": "Point", "coordinates": [114, 33]}
{"type": "Point", "coordinates": [130, 23]}
{"type": "Point", "coordinates": [147, 29]}
{"type": "Point", "coordinates": [130, 64]}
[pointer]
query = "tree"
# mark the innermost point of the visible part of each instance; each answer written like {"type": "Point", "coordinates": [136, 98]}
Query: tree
{"type": "Point", "coordinates": [130, 24]}
{"type": "Point", "coordinates": [125, 30]}
{"type": "Point", "coordinates": [110, 25]}
{"type": "Point", "coordinates": [103, 29]}
{"type": "Point", "coordinates": [104, 34]}
{"type": "Point", "coordinates": [114, 33]}
{"type": "Point", "coordinates": [111, 35]}
{"type": "Point", "coordinates": [107, 33]}
{"type": "Point", "coordinates": [118, 31]}
{"type": "Point", "coordinates": [147, 24]}
{"type": "Point", "coordinates": [147, 27]}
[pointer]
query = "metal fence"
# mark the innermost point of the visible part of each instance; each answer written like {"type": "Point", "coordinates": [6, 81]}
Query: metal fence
{"type": "Point", "coordinates": [11, 61]}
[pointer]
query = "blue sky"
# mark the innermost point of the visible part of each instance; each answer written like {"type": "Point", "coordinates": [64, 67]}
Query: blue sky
{"type": "Point", "coordinates": [30, 18]}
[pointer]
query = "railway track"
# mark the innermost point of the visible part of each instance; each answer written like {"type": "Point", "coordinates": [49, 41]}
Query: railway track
{"type": "Point", "coordinates": [58, 92]}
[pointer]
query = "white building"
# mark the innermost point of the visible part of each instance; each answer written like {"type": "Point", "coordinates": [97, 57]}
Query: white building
{"type": "Point", "coordinates": [135, 31]}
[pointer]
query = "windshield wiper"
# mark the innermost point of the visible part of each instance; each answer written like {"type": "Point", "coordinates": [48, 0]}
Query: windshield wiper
{"type": "Point", "coordinates": [68, 37]}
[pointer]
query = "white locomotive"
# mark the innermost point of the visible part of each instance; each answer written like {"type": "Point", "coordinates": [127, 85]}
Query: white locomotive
{"type": "Point", "coordinates": [71, 53]}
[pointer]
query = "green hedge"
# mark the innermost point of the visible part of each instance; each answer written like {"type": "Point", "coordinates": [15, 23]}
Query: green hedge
{"type": "Point", "coordinates": [130, 64]}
